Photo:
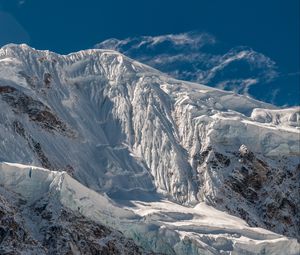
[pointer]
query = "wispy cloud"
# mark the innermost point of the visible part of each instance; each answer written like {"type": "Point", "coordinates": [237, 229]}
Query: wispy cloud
{"type": "Point", "coordinates": [201, 58]}
{"type": "Point", "coordinates": [183, 40]}
{"type": "Point", "coordinates": [240, 86]}
{"type": "Point", "coordinates": [294, 74]}
{"type": "Point", "coordinates": [21, 2]}
{"type": "Point", "coordinates": [192, 40]}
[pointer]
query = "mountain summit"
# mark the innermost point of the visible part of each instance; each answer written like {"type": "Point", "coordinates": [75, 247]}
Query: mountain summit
{"type": "Point", "coordinates": [161, 165]}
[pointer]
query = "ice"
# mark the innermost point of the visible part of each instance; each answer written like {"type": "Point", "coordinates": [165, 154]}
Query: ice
{"type": "Point", "coordinates": [161, 226]}
{"type": "Point", "coordinates": [145, 153]}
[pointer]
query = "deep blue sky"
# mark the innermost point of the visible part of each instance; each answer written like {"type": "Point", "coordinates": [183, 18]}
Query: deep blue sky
{"type": "Point", "coordinates": [268, 26]}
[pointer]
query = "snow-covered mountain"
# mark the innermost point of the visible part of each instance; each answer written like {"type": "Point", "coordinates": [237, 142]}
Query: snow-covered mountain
{"type": "Point", "coordinates": [178, 167]}
{"type": "Point", "coordinates": [34, 221]}
{"type": "Point", "coordinates": [201, 58]}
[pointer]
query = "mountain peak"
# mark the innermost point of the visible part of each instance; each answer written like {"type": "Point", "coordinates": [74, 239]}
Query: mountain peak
{"type": "Point", "coordinates": [132, 138]}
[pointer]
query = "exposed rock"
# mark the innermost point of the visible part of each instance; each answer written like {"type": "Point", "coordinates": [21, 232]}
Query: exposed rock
{"type": "Point", "coordinates": [224, 160]}
{"type": "Point", "coordinates": [61, 232]}
{"type": "Point", "coordinates": [35, 110]}
{"type": "Point", "coordinates": [33, 145]}
{"type": "Point", "coordinates": [143, 135]}
{"type": "Point", "coordinates": [47, 79]}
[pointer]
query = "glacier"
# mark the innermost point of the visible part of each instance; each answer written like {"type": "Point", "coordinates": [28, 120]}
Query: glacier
{"type": "Point", "coordinates": [161, 226]}
{"type": "Point", "coordinates": [179, 167]}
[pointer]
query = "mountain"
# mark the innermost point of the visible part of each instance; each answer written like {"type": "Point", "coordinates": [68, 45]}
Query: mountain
{"type": "Point", "coordinates": [155, 164]}
{"type": "Point", "coordinates": [201, 58]}
{"type": "Point", "coordinates": [35, 223]}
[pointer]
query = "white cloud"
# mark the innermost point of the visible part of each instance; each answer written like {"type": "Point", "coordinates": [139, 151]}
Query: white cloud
{"type": "Point", "coordinates": [240, 86]}
{"type": "Point", "coordinates": [184, 56]}
{"type": "Point", "coordinates": [191, 39]}
{"type": "Point", "coordinates": [21, 2]}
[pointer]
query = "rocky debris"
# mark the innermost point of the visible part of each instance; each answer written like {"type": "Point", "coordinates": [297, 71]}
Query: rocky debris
{"type": "Point", "coordinates": [47, 79]}
{"type": "Point", "coordinates": [69, 169]}
{"type": "Point", "coordinates": [270, 191]}
{"type": "Point", "coordinates": [14, 237]}
{"type": "Point", "coordinates": [37, 229]}
{"type": "Point", "coordinates": [200, 157]}
{"type": "Point", "coordinates": [223, 159]}
{"type": "Point", "coordinates": [70, 232]}
{"type": "Point", "coordinates": [246, 184]}
{"type": "Point", "coordinates": [37, 148]}
{"type": "Point", "coordinates": [48, 121]}
{"type": "Point", "coordinates": [263, 192]}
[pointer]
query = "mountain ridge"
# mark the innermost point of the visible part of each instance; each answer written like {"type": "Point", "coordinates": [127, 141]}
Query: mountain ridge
{"type": "Point", "coordinates": [201, 58]}
{"type": "Point", "coordinates": [124, 129]}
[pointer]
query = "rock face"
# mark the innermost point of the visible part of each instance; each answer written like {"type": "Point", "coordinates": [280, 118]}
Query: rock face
{"type": "Point", "coordinates": [49, 212]}
{"type": "Point", "coordinates": [39, 229]}
{"type": "Point", "coordinates": [127, 130]}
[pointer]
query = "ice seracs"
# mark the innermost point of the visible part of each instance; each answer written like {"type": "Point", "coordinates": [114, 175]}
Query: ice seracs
{"type": "Point", "coordinates": [125, 132]}
{"type": "Point", "coordinates": [159, 226]}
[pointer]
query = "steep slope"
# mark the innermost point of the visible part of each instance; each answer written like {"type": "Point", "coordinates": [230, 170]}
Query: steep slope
{"type": "Point", "coordinates": [48, 221]}
{"type": "Point", "coordinates": [127, 130]}
{"type": "Point", "coordinates": [34, 221]}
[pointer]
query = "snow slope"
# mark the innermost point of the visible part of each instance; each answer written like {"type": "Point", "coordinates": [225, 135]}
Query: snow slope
{"type": "Point", "coordinates": [125, 130]}
{"type": "Point", "coordinates": [161, 226]}
{"type": "Point", "coordinates": [33, 220]}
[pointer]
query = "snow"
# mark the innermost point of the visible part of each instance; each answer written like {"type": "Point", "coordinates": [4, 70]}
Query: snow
{"type": "Point", "coordinates": [284, 117]}
{"type": "Point", "coordinates": [132, 133]}
{"type": "Point", "coordinates": [147, 222]}
{"type": "Point", "coordinates": [16, 177]}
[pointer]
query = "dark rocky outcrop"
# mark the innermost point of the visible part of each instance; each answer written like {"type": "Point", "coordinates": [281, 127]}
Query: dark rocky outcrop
{"type": "Point", "coordinates": [36, 111]}
{"type": "Point", "coordinates": [55, 232]}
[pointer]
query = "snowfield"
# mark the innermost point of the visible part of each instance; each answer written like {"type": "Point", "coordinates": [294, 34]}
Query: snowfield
{"type": "Point", "coordinates": [160, 226]}
{"type": "Point", "coordinates": [179, 167]}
